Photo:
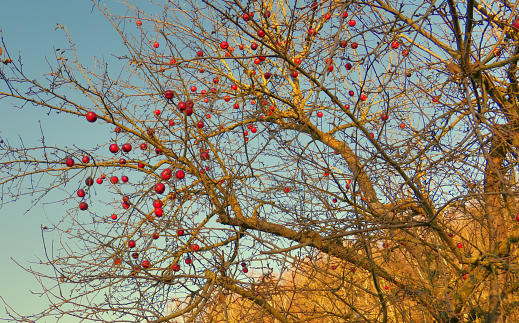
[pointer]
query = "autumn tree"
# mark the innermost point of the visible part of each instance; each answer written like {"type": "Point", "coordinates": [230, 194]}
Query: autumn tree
{"type": "Point", "coordinates": [367, 149]}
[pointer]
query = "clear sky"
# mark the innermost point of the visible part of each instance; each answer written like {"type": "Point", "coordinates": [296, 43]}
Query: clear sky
{"type": "Point", "coordinates": [28, 28]}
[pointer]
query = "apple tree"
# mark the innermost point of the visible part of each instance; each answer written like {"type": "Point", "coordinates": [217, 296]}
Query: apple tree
{"type": "Point", "coordinates": [368, 148]}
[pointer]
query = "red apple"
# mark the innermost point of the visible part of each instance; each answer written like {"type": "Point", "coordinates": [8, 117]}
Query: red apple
{"type": "Point", "coordinates": [69, 162]}
{"type": "Point", "coordinates": [175, 267]}
{"type": "Point", "coordinates": [354, 45]}
{"type": "Point", "coordinates": [395, 44]}
{"type": "Point", "coordinates": [200, 124]}
{"type": "Point", "coordinates": [460, 245]}
{"type": "Point", "coordinates": [114, 216]}
{"type": "Point", "coordinates": [122, 161]}
{"type": "Point", "coordinates": [188, 261]}
{"type": "Point", "coordinates": [114, 148]}
{"type": "Point", "coordinates": [127, 147]}
{"type": "Point", "coordinates": [180, 174]}
{"type": "Point", "coordinates": [139, 23]}
{"type": "Point", "coordinates": [89, 181]}
{"type": "Point", "coordinates": [83, 206]}
{"type": "Point", "coordinates": [245, 270]}
{"type": "Point", "coordinates": [157, 203]}
{"type": "Point", "coordinates": [204, 155]}
{"type": "Point", "coordinates": [320, 114]}
{"type": "Point", "coordinates": [91, 116]}
{"type": "Point", "coordinates": [141, 165]}
{"type": "Point", "coordinates": [155, 236]}
{"type": "Point", "coordinates": [99, 180]}
{"type": "Point", "coordinates": [156, 44]}
{"type": "Point", "coordinates": [517, 217]}
{"type": "Point", "coordinates": [384, 116]}
{"type": "Point", "coordinates": [180, 232]}
{"type": "Point", "coordinates": [166, 174]}
{"type": "Point", "coordinates": [85, 159]}
{"type": "Point", "coordinates": [80, 192]}
{"type": "Point", "coordinates": [224, 45]}
{"type": "Point", "coordinates": [254, 46]}
{"type": "Point", "coordinates": [286, 189]}
{"type": "Point", "coordinates": [158, 212]}
{"type": "Point", "coordinates": [135, 255]}
{"type": "Point", "coordinates": [160, 188]}
{"type": "Point", "coordinates": [114, 179]}
{"type": "Point", "coordinates": [131, 244]}
{"type": "Point", "coordinates": [124, 179]}
{"type": "Point", "coordinates": [352, 23]}
{"type": "Point", "coordinates": [261, 33]}
{"type": "Point", "coordinates": [195, 247]}
{"type": "Point", "coordinates": [200, 53]}
{"type": "Point", "coordinates": [168, 94]}
{"type": "Point", "coordinates": [515, 23]}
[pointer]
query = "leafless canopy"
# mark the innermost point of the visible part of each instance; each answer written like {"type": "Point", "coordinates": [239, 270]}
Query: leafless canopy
{"type": "Point", "coordinates": [342, 161]}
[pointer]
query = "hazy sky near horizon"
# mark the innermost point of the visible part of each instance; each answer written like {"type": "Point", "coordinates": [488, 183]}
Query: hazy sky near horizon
{"type": "Point", "coordinates": [28, 29]}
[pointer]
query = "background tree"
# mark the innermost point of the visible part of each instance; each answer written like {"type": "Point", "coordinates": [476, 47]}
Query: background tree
{"type": "Point", "coordinates": [365, 149]}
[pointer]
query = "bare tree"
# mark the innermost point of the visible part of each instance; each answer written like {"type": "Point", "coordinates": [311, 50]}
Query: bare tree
{"type": "Point", "coordinates": [368, 148]}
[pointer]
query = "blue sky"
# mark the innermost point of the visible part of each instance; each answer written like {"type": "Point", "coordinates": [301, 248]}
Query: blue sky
{"type": "Point", "coordinates": [28, 28]}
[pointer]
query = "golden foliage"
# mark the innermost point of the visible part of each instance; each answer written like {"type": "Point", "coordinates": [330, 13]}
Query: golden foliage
{"type": "Point", "coordinates": [326, 289]}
